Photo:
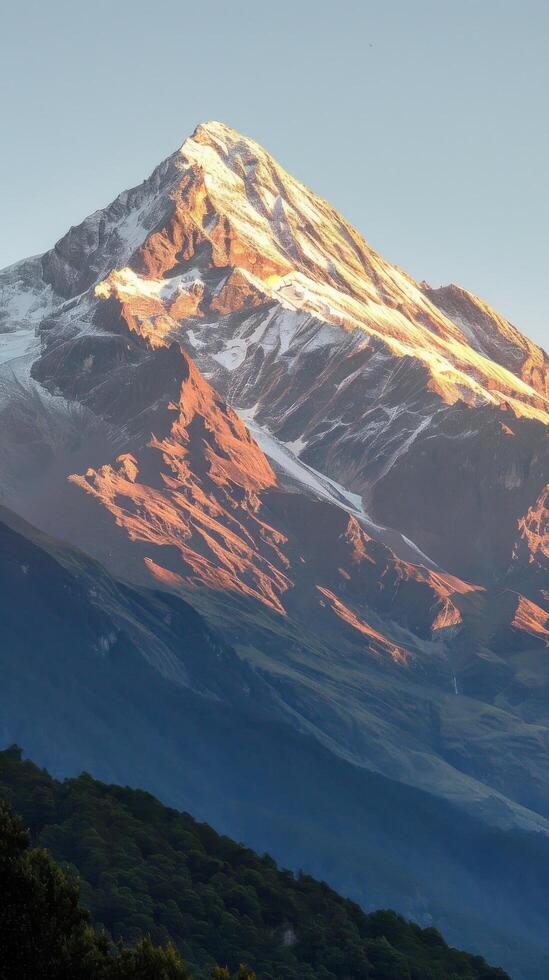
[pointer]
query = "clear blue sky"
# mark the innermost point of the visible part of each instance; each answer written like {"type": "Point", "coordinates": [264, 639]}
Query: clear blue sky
{"type": "Point", "coordinates": [424, 121]}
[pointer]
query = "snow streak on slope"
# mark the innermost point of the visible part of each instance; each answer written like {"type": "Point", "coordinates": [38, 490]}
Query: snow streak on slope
{"type": "Point", "coordinates": [17, 344]}
{"type": "Point", "coordinates": [295, 472]}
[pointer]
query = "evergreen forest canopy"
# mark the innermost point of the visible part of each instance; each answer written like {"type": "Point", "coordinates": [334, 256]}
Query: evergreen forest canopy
{"type": "Point", "coordinates": [163, 890]}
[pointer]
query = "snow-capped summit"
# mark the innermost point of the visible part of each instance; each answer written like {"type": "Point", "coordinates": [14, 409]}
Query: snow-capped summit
{"type": "Point", "coordinates": [277, 241]}
{"type": "Point", "coordinates": [336, 357]}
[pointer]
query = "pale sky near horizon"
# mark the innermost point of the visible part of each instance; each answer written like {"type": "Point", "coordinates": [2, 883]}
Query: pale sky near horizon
{"type": "Point", "coordinates": [425, 122]}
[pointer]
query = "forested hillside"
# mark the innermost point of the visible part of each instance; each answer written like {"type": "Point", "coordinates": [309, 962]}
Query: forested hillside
{"type": "Point", "coordinates": [149, 871]}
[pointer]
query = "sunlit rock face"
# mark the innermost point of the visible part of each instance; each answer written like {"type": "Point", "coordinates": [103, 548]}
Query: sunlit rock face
{"type": "Point", "coordinates": [534, 529]}
{"type": "Point", "coordinates": [528, 571]}
{"type": "Point", "coordinates": [204, 504]}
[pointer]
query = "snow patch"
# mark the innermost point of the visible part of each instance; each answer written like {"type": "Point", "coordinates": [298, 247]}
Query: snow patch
{"type": "Point", "coordinates": [17, 344]}
{"type": "Point", "coordinates": [320, 485]}
{"type": "Point", "coordinates": [233, 355]}
{"type": "Point", "coordinates": [296, 446]}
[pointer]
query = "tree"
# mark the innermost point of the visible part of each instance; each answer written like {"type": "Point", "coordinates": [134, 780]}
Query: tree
{"type": "Point", "coordinates": [243, 973]}
{"type": "Point", "coordinates": [44, 932]}
{"type": "Point", "coordinates": [148, 962]}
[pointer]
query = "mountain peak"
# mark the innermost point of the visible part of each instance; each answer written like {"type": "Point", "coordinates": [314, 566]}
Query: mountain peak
{"type": "Point", "coordinates": [222, 205]}
{"type": "Point", "coordinates": [215, 128]}
{"type": "Point", "coordinates": [293, 248]}
{"type": "Point", "coordinates": [232, 147]}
